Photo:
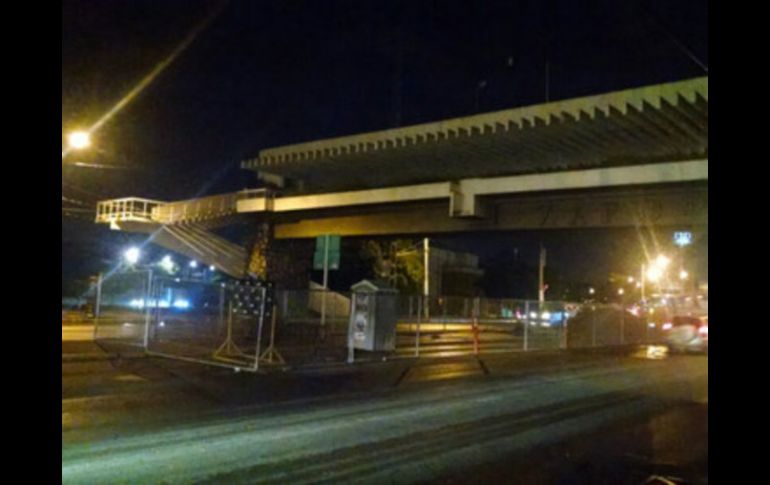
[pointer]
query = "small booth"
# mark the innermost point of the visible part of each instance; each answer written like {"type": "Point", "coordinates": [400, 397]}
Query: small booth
{"type": "Point", "coordinates": [373, 317]}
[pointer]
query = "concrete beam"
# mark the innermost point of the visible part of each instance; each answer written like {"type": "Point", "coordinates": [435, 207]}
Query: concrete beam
{"type": "Point", "coordinates": [465, 195]}
{"type": "Point", "coordinates": [588, 209]}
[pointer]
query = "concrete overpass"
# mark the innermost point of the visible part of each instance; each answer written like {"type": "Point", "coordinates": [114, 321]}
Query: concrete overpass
{"type": "Point", "coordinates": [633, 157]}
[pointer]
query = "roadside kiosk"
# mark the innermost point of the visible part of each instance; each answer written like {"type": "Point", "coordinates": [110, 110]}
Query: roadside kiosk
{"type": "Point", "coordinates": [373, 317]}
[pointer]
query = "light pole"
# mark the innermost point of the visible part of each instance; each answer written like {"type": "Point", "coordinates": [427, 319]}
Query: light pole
{"type": "Point", "coordinates": [541, 275]}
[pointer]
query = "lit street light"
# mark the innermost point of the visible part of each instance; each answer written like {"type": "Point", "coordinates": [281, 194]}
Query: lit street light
{"type": "Point", "coordinates": [79, 140]}
{"type": "Point", "coordinates": [662, 261]}
{"type": "Point", "coordinates": [193, 264]}
{"type": "Point", "coordinates": [621, 291]}
{"type": "Point", "coordinates": [167, 263]}
{"type": "Point", "coordinates": [591, 291]}
{"type": "Point", "coordinates": [132, 255]}
{"type": "Point", "coordinates": [683, 275]}
{"type": "Point", "coordinates": [212, 268]}
{"type": "Point", "coordinates": [654, 273]}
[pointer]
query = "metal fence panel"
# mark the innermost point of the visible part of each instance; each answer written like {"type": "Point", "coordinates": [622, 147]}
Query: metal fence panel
{"type": "Point", "coordinates": [205, 322]}
{"type": "Point", "coordinates": [121, 313]}
{"type": "Point", "coordinates": [311, 326]}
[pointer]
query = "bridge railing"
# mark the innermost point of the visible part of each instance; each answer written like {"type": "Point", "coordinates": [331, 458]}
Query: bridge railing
{"type": "Point", "coordinates": [127, 209]}
{"type": "Point", "coordinates": [205, 207]}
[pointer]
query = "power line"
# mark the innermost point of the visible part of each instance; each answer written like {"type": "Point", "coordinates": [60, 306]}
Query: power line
{"type": "Point", "coordinates": [681, 45]}
{"type": "Point", "coordinates": [82, 190]}
{"type": "Point", "coordinates": [75, 201]}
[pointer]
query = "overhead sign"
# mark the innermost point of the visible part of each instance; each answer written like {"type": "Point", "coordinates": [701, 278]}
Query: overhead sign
{"type": "Point", "coordinates": [321, 252]}
{"type": "Point", "coordinates": [682, 238]}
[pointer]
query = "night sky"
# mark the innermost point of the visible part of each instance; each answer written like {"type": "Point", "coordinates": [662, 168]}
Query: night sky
{"type": "Point", "coordinates": [267, 73]}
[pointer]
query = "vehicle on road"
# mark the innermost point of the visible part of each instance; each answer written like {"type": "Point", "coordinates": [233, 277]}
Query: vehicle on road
{"type": "Point", "coordinates": [687, 334]}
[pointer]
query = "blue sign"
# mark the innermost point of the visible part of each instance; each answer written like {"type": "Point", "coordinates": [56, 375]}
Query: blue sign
{"type": "Point", "coordinates": [682, 238]}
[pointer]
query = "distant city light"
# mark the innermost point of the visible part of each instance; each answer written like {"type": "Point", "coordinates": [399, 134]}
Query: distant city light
{"type": "Point", "coordinates": [132, 255]}
{"type": "Point", "coordinates": [591, 291]}
{"type": "Point", "coordinates": [682, 238]}
{"type": "Point", "coordinates": [212, 268]}
{"type": "Point", "coordinates": [683, 275]}
{"type": "Point", "coordinates": [193, 264]}
{"type": "Point", "coordinates": [621, 291]}
{"type": "Point", "coordinates": [182, 304]}
{"type": "Point", "coordinates": [630, 279]}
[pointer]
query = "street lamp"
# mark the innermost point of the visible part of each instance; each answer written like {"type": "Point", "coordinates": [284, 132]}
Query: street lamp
{"type": "Point", "coordinates": [79, 140]}
{"type": "Point", "coordinates": [132, 255]}
{"type": "Point", "coordinates": [193, 264]}
{"type": "Point", "coordinates": [683, 275]}
{"type": "Point", "coordinates": [621, 291]}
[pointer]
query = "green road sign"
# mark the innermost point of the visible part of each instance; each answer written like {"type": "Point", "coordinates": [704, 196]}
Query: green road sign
{"type": "Point", "coordinates": [320, 249]}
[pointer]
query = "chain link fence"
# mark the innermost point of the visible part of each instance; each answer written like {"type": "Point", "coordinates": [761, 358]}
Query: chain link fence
{"type": "Point", "coordinates": [121, 314]}
{"type": "Point", "coordinates": [249, 326]}
{"type": "Point", "coordinates": [213, 323]}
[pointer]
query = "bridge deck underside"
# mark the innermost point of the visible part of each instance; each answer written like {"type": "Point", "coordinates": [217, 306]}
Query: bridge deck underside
{"type": "Point", "coordinates": [657, 123]}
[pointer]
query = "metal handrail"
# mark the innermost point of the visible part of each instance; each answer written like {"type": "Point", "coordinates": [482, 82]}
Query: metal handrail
{"type": "Point", "coordinates": [135, 208]}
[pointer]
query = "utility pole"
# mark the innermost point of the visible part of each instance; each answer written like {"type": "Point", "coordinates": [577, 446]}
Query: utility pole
{"type": "Point", "coordinates": [541, 271]}
{"type": "Point", "coordinates": [325, 281]}
{"type": "Point", "coordinates": [426, 276]}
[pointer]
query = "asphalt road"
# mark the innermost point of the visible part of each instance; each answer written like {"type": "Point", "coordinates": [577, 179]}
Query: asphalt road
{"type": "Point", "coordinates": [525, 416]}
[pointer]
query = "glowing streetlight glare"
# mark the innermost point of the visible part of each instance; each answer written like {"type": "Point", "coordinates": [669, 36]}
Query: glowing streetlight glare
{"type": "Point", "coordinates": [654, 273]}
{"type": "Point", "coordinates": [167, 263]}
{"type": "Point", "coordinates": [621, 291]}
{"type": "Point", "coordinates": [193, 264]}
{"type": "Point", "coordinates": [683, 275]}
{"type": "Point", "coordinates": [212, 268]}
{"type": "Point", "coordinates": [132, 255]}
{"type": "Point", "coordinates": [79, 140]}
{"type": "Point", "coordinates": [630, 279]}
{"type": "Point", "coordinates": [591, 291]}
{"type": "Point", "coordinates": [662, 261]}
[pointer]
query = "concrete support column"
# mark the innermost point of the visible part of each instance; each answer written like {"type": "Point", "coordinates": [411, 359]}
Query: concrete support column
{"type": "Point", "coordinates": [286, 263]}
{"type": "Point", "coordinates": [259, 256]}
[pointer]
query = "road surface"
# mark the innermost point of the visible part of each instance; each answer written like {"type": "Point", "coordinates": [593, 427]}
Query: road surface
{"type": "Point", "coordinates": [508, 417]}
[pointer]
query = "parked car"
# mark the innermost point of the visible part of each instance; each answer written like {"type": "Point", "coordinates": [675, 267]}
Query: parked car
{"type": "Point", "coordinates": [687, 334]}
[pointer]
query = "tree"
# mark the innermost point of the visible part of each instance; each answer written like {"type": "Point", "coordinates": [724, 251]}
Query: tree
{"type": "Point", "coordinates": [398, 262]}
